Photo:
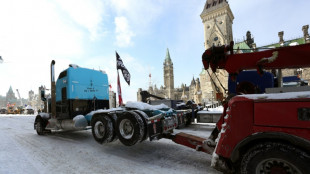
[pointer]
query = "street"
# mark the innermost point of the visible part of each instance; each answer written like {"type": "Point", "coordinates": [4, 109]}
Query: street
{"type": "Point", "coordinates": [23, 151]}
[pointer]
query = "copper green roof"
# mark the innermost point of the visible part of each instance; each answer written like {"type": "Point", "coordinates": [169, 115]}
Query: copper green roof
{"type": "Point", "coordinates": [242, 45]}
{"type": "Point", "coordinates": [287, 43]}
{"type": "Point", "coordinates": [203, 71]}
{"type": "Point", "coordinates": [167, 55]}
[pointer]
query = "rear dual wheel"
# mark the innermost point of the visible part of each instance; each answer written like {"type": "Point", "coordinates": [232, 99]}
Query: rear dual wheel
{"type": "Point", "coordinates": [130, 128]}
{"type": "Point", "coordinates": [102, 129]}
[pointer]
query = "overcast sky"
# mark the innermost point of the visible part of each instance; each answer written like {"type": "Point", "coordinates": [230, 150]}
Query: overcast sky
{"type": "Point", "coordinates": [88, 32]}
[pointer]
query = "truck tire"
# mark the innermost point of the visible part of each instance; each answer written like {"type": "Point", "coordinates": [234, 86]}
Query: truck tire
{"type": "Point", "coordinates": [102, 129]}
{"type": "Point", "coordinates": [129, 128]}
{"type": "Point", "coordinates": [272, 157]}
{"type": "Point", "coordinates": [40, 125]}
{"type": "Point", "coordinates": [144, 117]}
{"type": "Point", "coordinates": [188, 119]}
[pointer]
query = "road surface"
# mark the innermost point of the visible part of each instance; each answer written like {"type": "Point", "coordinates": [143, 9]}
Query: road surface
{"type": "Point", "coordinates": [23, 151]}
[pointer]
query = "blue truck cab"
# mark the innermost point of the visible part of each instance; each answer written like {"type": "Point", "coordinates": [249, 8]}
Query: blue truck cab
{"type": "Point", "coordinates": [250, 82]}
{"type": "Point", "coordinates": [80, 91]}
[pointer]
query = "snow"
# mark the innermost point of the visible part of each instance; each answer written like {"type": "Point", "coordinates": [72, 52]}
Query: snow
{"type": "Point", "coordinates": [217, 110]}
{"type": "Point", "coordinates": [103, 71]}
{"type": "Point", "coordinates": [144, 106]}
{"type": "Point", "coordinates": [293, 44]}
{"type": "Point", "coordinates": [74, 66]}
{"type": "Point", "coordinates": [288, 95]}
{"type": "Point", "coordinates": [28, 107]}
{"type": "Point", "coordinates": [23, 151]}
{"type": "Point", "coordinates": [180, 104]}
{"type": "Point", "coordinates": [105, 110]}
{"type": "Point", "coordinates": [44, 115]}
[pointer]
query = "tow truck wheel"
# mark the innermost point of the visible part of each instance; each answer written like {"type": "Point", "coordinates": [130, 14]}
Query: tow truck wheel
{"type": "Point", "coordinates": [275, 158]}
{"type": "Point", "coordinates": [102, 129]}
{"type": "Point", "coordinates": [129, 128]}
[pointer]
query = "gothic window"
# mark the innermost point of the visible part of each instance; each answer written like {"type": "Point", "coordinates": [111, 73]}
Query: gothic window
{"type": "Point", "coordinates": [214, 3]}
{"type": "Point", "coordinates": [220, 1]}
{"type": "Point", "coordinates": [208, 26]}
{"type": "Point", "coordinates": [208, 5]}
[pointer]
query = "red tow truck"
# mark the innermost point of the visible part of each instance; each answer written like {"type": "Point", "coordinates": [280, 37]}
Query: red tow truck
{"type": "Point", "coordinates": [259, 133]}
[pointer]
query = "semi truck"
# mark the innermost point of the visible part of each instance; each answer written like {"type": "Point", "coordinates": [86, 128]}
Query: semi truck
{"type": "Point", "coordinates": [80, 100]}
{"type": "Point", "coordinates": [76, 92]}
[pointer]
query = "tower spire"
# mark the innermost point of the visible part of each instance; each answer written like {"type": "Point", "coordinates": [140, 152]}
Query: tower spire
{"type": "Point", "coordinates": [168, 59]}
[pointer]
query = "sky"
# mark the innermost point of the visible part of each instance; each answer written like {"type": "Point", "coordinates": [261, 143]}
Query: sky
{"type": "Point", "coordinates": [88, 32]}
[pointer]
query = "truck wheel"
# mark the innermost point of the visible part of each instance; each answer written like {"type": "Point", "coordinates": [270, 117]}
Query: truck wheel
{"type": "Point", "coordinates": [102, 129]}
{"type": "Point", "coordinates": [40, 125]}
{"type": "Point", "coordinates": [144, 118]}
{"type": "Point", "coordinates": [129, 128]}
{"type": "Point", "coordinates": [275, 158]}
{"type": "Point", "coordinates": [188, 119]}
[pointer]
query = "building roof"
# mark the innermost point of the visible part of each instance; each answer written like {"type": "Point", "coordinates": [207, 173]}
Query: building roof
{"type": "Point", "coordinates": [212, 5]}
{"type": "Point", "coordinates": [243, 46]}
{"type": "Point", "coordinates": [193, 82]}
{"type": "Point", "coordinates": [167, 56]}
{"type": "Point", "coordinates": [10, 90]}
{"type": "Point", "coordinates": [297, 41]}
{"type": "Point", "coordinates": [203, 71]}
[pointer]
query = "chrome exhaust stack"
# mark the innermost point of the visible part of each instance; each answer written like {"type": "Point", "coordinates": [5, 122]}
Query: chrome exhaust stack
{"type": "Point", "coordinates": [53, 89]}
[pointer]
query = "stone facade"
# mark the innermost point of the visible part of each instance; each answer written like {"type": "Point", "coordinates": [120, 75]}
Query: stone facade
{"type": "Point", "coordinates": [185, 93]}
{"type": "Point", "coordinates": [217, 20]}
{"type": "Point", "coordinates": [303, 73]}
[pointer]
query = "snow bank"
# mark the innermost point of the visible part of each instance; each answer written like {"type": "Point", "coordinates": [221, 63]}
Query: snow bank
{"type": "Point", "coordinates": [144, 106]}
{"type": "Point", "coordinates": [288, 95]}
{"type": "Point", "coordinates": [212, 110]}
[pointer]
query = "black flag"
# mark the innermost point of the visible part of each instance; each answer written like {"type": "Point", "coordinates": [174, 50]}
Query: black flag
{"type": "Point", "coordinates": [121, 66]}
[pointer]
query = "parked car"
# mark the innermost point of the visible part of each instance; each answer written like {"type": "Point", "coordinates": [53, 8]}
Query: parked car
{"type": "Point", "coordinates": [29, 111]}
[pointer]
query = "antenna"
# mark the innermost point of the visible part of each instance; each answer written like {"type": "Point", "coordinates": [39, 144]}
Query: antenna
{"type": "Point", "coordinates": [150, 79]}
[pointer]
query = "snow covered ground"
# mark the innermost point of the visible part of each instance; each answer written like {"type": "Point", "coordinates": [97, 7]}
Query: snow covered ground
{"type": "Point", "coordinates": [23, 151]}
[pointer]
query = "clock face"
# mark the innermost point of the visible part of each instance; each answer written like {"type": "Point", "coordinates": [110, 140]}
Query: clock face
{"type": "Point", "coordinates": [216, 38]}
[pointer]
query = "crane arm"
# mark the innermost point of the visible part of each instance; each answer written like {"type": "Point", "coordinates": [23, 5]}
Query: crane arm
{"type": "Point", "coordinates": [278, 58]}
{"type": "Point", "coordinates": [145, 95]}
{"type": "Point", "coordinates": [21, 101]}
